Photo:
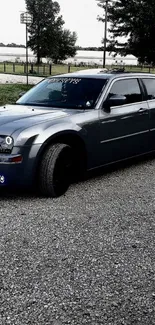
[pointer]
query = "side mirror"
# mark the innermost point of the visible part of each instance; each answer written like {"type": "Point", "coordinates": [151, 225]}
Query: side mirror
{"type": "Point", "coordinates": [115, 100]}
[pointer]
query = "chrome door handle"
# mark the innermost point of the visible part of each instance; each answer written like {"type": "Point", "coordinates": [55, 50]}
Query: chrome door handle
{"type": "Point", "coordinates": [142, 109]}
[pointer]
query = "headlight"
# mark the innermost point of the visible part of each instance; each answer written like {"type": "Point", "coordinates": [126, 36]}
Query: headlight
{"type": "Point", "coordinates": [6, 144]}
{"type": "Point", "coordinates": [9, 141]}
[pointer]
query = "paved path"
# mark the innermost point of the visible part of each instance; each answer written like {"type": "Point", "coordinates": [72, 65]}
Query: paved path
{"type": "Point", "coordinates": [10, 78]}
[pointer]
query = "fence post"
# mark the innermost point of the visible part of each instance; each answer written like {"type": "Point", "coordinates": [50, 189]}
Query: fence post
{"type": "Point", "coordinates": [50, 69]}
{"type": "Point", "coordinates": [24, 68]}
{"type": "Point", "coordinates": [31, 67]}
{"type": "Point", "coordinates": [69, 68]}
{"type": "Point", "coordinates": [4, 67]}
{"type": "Point", "coordinates": [14, 68]}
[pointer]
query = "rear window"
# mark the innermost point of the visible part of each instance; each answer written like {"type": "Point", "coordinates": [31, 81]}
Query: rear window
{"type": "Point", "coordinates": [128, 88]}
{"type": "Point", "coordinates": [150, 87]}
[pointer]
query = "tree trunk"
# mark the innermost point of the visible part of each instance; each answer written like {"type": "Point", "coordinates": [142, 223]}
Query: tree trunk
{"type": "Point", "coordinates": [38, 45]}
{"type": "Point", "coordinates": [38, 59]}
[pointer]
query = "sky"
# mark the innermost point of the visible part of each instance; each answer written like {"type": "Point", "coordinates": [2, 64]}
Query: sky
{"type": "Point", "coordinates": [79, 16]}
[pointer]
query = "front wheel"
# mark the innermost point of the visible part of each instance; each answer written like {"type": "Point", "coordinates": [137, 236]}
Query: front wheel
{"type": "Point", "coordinates": [55, 170]}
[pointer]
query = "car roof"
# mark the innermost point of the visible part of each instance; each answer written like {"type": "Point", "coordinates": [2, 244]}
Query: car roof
{"type": "Point", "coordinates": [104, 74]}
{"type": "Point", "coordinates": [83, 75]}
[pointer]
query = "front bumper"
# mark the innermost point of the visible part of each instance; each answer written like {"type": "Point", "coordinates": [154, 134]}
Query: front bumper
{"type": "Point", "coordinates": [11, 170]}
{"type": "Point", "coordinates": [18, 169]}
{"type": "Point", "coordinates": [10, 159]}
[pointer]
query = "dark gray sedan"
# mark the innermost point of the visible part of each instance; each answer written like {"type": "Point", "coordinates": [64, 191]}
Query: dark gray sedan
{"type": "Point", "coordinates": [72, 123]}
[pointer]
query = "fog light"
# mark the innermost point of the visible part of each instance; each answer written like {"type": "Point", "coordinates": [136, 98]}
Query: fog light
{"type": "Point", "coordinates": [2, 179]}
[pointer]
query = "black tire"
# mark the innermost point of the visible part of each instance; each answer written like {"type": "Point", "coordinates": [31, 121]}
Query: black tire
{"type": "Point", "coordinates": [55, 170]}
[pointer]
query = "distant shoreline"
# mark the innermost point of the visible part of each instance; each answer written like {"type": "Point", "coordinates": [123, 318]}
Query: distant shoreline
{"type": "Point", "coordinates": [78, 48]}
{"type": "Point", "coordinates": [85, 57]}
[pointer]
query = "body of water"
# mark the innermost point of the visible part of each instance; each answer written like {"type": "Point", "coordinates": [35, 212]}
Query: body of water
{"type": "Point", "coordinates": [87, 57]}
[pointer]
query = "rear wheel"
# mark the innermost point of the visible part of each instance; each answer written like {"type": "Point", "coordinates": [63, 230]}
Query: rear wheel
{"type": "Point", "coordinates": [55, 170]}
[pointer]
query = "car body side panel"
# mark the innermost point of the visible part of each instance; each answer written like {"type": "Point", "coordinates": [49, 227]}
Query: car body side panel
{"type": "Point", "coordinates": [151, 104]}
{"type": "Point", "coordinates": [124, 132]}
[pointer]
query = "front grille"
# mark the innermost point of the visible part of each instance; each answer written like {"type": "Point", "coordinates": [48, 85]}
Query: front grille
{"type": "Point", "coordinates": [5, 150]}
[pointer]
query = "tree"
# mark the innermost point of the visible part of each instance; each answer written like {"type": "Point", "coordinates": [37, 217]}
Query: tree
{"type": "Point", "coordinates": [134, 22]}
{"type": "Point", "coordinates": [46, 21]}
{"type": "Point", "coordinates": [46, 31]}
{"type": "Point", "coordinates": [65, 46]}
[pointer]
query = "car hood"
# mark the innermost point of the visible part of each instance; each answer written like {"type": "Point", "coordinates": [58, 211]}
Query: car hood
{"type": "Point", "coordinates": [14, 117]}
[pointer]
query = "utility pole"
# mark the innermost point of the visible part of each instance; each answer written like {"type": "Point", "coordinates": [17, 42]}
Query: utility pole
{"type": "Point", "coordinates": [26, 18]}
{"type": "Point", "coordinates": [27, 59]}
{"type": "Point", "coordinates": [105, 33]}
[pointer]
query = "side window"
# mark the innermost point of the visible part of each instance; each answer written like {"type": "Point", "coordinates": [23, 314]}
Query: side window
{"type": "Point", "coordinates": [129, 88]}
{"type": "Point", "coordinates": [150, 87]}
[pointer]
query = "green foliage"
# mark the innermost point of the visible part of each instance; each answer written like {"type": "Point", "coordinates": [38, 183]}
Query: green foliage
{"type": "Point", "coordinates": [65, 46]}
{"type": "Point", "coordinates": [47, 37]}
{"type": "Point", "coordinates": [133, 20]}
{"type": "Point", "coordinates": [9, 94]}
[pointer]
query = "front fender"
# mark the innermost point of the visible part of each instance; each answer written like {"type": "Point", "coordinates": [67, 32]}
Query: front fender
{"type": "Point", "coordinates": [40, 133]}
{"type": "Point", "coordinates": [38, 149]}
{"type": "Point", "coordinates": [59, 129]}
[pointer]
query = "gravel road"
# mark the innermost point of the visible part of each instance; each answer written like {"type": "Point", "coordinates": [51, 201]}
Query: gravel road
{"type": "Point", "coordinates": [85, 258]}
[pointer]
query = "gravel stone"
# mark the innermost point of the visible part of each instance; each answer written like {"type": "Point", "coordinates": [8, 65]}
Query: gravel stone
{"type": "Point", "coordinates": [87, 257]}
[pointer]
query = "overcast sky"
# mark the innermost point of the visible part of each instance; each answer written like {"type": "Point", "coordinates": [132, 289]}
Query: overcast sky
{"type": "Point", "coordinates": [79, 16]}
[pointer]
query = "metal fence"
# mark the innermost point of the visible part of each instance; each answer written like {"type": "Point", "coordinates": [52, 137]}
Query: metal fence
{"type": "Point", "coordinates": [33, 69]}
{"type": "Point", "coordinates": [53, 69]}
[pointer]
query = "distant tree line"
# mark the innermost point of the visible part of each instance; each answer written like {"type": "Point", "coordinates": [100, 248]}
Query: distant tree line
{"type": "Point", "coordinates": [78, 48]}
{"type": "Point", "coordinates": [89, 48]}
{"type": "Point", "coordinates": [12, 45]}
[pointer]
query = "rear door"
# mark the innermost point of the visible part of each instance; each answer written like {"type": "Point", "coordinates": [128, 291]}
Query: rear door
{"type": "Point", "coordinates": [124, 131]}
{"type": "Point", "coordinates": [149, 84]}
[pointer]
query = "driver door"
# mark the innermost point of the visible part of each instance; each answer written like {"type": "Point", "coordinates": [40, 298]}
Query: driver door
{"type": "Point", "coordinates": [124, 130]}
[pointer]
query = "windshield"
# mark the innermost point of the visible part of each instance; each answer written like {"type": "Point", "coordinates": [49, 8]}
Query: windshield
{"type": "Point", "coordinates": [64, 93]}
